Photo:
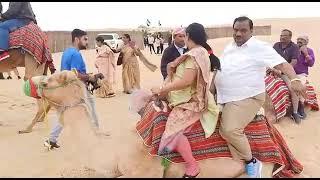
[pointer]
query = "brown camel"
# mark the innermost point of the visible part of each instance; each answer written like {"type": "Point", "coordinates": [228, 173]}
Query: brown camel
{"type": "Point", "coordinates": [32, 68]}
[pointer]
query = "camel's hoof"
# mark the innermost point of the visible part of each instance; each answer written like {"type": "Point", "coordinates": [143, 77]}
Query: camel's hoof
{"type": "Point", "coordinates": [24, 131]}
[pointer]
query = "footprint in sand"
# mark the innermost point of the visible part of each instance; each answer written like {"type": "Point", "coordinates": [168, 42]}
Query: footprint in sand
{"type": "Point", "coordinates": [3, 102]}
{"type": "Point", "coordinates": [80, 172]}
{"type": "Point", "coordinates": [29, 105]}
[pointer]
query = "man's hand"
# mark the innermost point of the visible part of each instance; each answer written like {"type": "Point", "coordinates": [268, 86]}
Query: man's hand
{"type": "Point", "coordinates": [298, 88]}
{"type": "Point", "coordinates": [304, 50]}
{"type": "Point", "coordinates": [99, 76]}
{"type": "Point", "coordinates": [53, 70]}
{"type": "Point", "coordinates": [276, 73]}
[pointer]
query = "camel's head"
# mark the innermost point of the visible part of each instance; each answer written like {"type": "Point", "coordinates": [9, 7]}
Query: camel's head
{"type": "Point", "coordinates": [63, 88]}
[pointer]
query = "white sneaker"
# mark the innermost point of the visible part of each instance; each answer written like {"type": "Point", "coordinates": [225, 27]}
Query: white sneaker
{"type": "Point", "coordinates": [254, 169]}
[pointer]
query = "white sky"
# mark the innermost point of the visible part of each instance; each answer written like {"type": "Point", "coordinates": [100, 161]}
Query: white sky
{"type": "Point", "coordinates": [100, 15]}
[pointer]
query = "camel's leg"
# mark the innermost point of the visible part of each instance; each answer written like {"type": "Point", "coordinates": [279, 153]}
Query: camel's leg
{"type": "Point", "coordinates": [43, 109]}
{"type": "Point", "coordinates": [32, 68]}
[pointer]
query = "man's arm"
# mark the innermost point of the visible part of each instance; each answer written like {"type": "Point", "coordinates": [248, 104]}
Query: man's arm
{"type": "Point", "coordinates": [309, 56]}
{"type": "Point", "coordinates": [273, 60]}
{"type": "Point", "coordinates": [14, 9]}
{"type": "Point", "coordinates": [295, 55]}
{"type": "Point", "coordinates": [164, 61]}
{"type": "Point", "coordinates": [77, 63]}
{"type": "Point", "coordinates": [287, 69]}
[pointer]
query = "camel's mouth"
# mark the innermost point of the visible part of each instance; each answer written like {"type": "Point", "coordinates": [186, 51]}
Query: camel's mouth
{"type": "Point", "coordinates": [31, 87]}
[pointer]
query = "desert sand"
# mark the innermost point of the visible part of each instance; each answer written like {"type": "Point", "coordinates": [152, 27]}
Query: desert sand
{"type": "Point", "coordinates": [24, 155]}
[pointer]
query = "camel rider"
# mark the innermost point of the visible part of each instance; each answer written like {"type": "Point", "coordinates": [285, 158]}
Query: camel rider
{"type": "Point", "coordinates": [72, 60]}
{"type": "Point", "coordinates": [18, 15]}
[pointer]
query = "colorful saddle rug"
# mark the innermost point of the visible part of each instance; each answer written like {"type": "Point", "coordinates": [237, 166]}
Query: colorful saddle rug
{"type": "Point", "coordinates": [32, 40]}
{"type": "Point", "coordinates": [280, 96]}
{"type": "Point", "coordinates": [266, 142]}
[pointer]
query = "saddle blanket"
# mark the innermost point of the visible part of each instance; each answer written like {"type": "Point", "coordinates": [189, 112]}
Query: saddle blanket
{"type": "Point", "coordinates": [31, 39]}
{"type": "Point", "coordinates": [266, 142]}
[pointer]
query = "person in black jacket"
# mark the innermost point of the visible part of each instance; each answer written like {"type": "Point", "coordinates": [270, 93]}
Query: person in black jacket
{"type": "Point", "coordinates": [174, 50]}
{"type": "Point", "coordinates": [18, 15]}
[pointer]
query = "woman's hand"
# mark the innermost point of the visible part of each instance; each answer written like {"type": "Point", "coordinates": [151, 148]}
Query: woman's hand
{"type": "Point", "coordinates": [157, 91]}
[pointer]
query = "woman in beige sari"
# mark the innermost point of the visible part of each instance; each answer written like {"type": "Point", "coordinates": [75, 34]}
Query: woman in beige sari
{"type": "Point", "coordinates": [130, 65]}
{"type": "Point", "coordinates": [186, 89]}
{"type": "Point", "coordinates": [105, 63]}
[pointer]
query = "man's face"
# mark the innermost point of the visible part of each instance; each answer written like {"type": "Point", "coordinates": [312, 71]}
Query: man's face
{"type": "Point", "coordinates": [301, 42]}
{"type": "Point", "coordinates": [82, 42]}
{"type": "Point", "coordinates": [179, 40]}
{"type": "Point", "coordinates": [241, 32]}
{"type": "Point", "coordinates": [285, 37]}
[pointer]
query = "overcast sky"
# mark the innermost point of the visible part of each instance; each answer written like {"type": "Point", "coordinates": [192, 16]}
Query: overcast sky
{"type": "Point", "coordinates": [99, 15]}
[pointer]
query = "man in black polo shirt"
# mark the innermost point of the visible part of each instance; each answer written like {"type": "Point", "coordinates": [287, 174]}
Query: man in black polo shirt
{"type": "Point", "coordinates": [290, 52]}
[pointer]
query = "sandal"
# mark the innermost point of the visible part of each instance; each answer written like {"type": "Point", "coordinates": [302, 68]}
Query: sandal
{"type": "Point", "coordinates": [188, 176]}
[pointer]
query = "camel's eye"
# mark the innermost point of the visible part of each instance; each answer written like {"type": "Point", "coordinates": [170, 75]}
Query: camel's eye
{"type": "Point", "coordinates": [43, 84]}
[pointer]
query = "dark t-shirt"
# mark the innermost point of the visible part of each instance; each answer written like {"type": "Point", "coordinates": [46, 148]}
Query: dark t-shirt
{"type": "Point", "coordinates": [288, 53]}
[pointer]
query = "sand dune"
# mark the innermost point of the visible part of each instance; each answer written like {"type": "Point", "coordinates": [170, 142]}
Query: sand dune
{"type": "Point", "coordinates": [25, 156]}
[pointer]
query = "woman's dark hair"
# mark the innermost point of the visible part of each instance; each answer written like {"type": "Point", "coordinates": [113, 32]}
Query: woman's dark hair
{"type": "Point", "coordinates": [127, 36]}
{"type": "Point", "coordinates": [100, 39]}
{"type": "Point", "coordinates": [197, 34]}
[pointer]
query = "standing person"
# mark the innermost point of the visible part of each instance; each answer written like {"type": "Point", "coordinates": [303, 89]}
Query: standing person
{"type": "Point", "coordinates": [240, 88]}
{"type": "Point", "coordinates": [305, 60]}
{"type": "Point", "coordinates": [157, 44]}
{"type": "Point", "coordinates": [130, 64]}
{"type": "Point", "coordinates": [145, 41]}
{"type": "Point", "coordinates": [161, 44]}
{"type": "Point", "coordinates": [174, 50]}
{"type": "Point", "coordinates": [105, 63]}
{"type": "Point", "coordinates": [290, 52]}
{"type": "Point", "coordinates": [18, 15]}
{"type": "Point", "coordinates": [187, 91]}
{"type": "Point", "coordinates": [72, 60]}
{"type": "Point", "coordinates": [151, 43]}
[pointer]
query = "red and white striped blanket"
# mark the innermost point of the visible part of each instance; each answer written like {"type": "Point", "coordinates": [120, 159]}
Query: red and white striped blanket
{"type": "Point", "coordinates": [279, 93]}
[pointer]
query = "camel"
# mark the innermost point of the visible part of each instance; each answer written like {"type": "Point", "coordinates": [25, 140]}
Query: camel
{"type": "Point", "coordinates": [32, 68]}
{"type": "Point", "coordinates": [65, 92]}
{"type": "Point", "coordinates": [131, 159]}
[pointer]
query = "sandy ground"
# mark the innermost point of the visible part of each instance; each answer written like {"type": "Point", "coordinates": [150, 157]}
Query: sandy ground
{"type": "Point", "coordinates": [25, 156]}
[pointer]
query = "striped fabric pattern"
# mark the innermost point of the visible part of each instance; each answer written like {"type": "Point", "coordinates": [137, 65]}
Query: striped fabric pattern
{"type": "Point", "coordinates": [311, 98]}
{"type": "Point", "coordinates": [31, 39]}
{"type": "Point", "coordinates": [280, 96]}
{"type": "Point", "coordinates": [266, 142]}
{"type": "Point", "coordinates": [278, 91]}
